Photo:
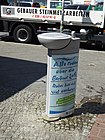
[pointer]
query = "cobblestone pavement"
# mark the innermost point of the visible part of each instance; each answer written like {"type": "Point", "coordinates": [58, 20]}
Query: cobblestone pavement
{"type": "Point", "coordinates": [21, 118]}
{"type": "Point", "coordinates": [21, 108]}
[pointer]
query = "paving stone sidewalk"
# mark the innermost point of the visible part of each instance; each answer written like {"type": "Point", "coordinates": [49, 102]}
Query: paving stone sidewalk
{"type": "Point", "coordinates": [98, 130]}
{"type": "Point", "coordinates": [21, 118]}
{"type": "Point", "coordinates": [23, 89]}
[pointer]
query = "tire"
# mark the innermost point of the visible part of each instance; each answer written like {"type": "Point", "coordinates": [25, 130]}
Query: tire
{"type": "Point", "coordinates": [22, 34]}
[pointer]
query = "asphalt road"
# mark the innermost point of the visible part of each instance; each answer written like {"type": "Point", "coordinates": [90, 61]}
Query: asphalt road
{"type": "Point", "coordinates": [23, 89]}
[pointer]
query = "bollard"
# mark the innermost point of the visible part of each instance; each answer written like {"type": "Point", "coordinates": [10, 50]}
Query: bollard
{"type": "Point", "coordinates": [63, 53]}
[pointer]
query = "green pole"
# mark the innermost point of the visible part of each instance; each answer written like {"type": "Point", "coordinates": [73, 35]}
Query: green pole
{"type": "Point", "coordinates": [62, 17]}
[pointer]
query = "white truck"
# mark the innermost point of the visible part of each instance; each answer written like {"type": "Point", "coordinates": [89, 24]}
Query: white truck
{"type": "Point", "coordinates": [24, 23]}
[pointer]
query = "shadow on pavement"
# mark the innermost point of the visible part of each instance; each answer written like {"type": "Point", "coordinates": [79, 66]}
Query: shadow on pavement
{"type": "Point", "coordinates": [16, 74]}
{"type": "Point", "coordinates": [91, 105]}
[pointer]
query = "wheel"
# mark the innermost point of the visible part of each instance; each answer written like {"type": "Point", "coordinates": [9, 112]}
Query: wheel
{"type": "Point", "coordinates": [22, 33]}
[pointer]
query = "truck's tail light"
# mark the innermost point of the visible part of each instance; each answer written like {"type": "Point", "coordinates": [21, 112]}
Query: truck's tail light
{"type": "Point", "coordinates": [33, 5]}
